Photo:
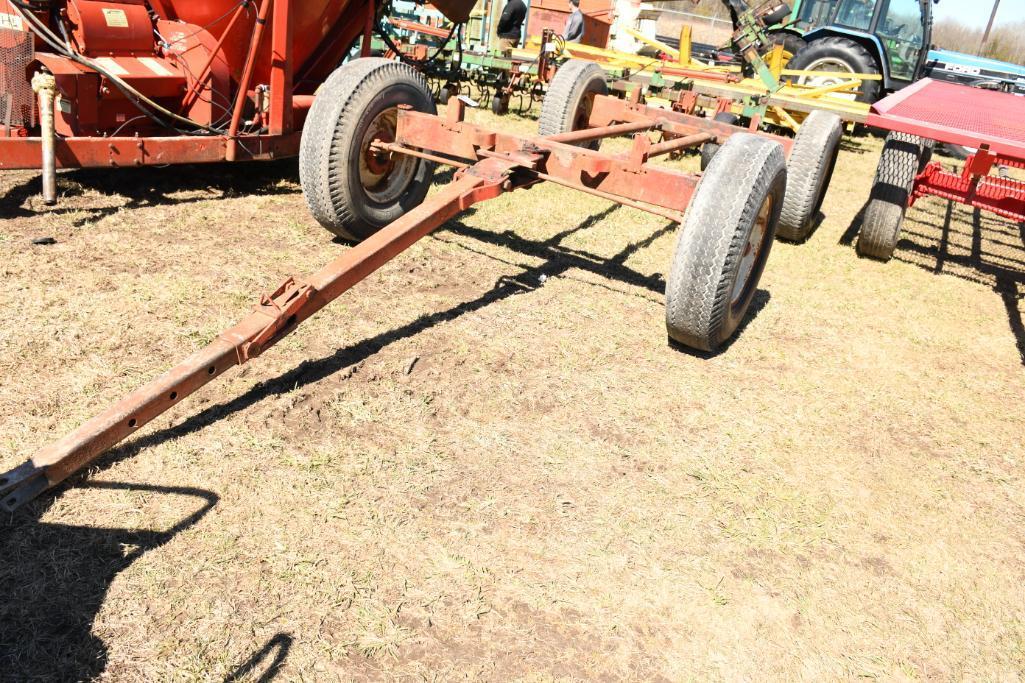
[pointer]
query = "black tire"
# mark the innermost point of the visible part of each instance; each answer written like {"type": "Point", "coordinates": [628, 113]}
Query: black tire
{"type": "Point", "coordinates": [499, 105]}
{"type": "Point", "coordinates": [891, 189]}
{"type": "Point", "coordinates": [444, 95]}
{"type": "Point", "coordinates": [567, 104]}
{"type": "Point", "coordinates": [709, 149]}
{"type": "Point", "coordinates": [927, 149]}
{"type": "Point", "coordinates": [844, 51]}
{"type": "Point", "coordinates": [360, 97]}
{"type": "Point", "coordinates": [711, 279]}
{"type": "Point", "coordinates": [809, 170]}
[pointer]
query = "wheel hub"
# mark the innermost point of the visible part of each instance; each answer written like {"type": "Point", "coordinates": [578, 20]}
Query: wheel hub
{"type": "Point", "coordinates": [828, 64]}
{"type": "Point", "coordinates": [384, 175]}
{"type": "Point", "coordinates": [749, 257]}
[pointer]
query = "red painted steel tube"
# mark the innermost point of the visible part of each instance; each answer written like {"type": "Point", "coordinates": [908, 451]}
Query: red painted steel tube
{"type": "Point", "coordinates": [603, 132]}
{"type": "Point", "coordinates": [193, 92]}
{"type": "Point", "coordinates": [675, 216]}
{"type": "Point", "coordinates": [674, 144]}
{"type": "Point", "coordinates": [282, 55]}
{"type": "Point", "coordinates": [1002, 196]}
{"type": "Point", "coordinates": [247, 73]}
{"type": "Point", "coordinates": [275, 317]}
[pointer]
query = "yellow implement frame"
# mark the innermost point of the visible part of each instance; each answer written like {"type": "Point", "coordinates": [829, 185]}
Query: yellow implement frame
{"type": "Point", "coordinates": [786, 107]}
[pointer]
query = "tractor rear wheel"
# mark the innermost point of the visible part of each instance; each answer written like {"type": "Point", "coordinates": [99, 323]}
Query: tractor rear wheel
{"type": "Point", "coordinates": [835, 54]}
{"type": "Point", "coordinates": [567, 104]}
{"type": "Point", "coordinates": [709, 149]}
{"type": "Point", "coordinates": [809, 170]}
{"type": "Point", "coordinates": [891, 189]}
{"type": "Point", "coordinates": [352, 188]}
{"type": "Point", "coordinates": [724, 241]}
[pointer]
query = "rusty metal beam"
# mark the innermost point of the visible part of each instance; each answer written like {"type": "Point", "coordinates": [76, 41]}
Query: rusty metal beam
{"type": "Point", "coordinates": [608, 110]}
{"type": "Point", "coordinates": [676, 144]}
{"type": "Point", "coordinates": [123, 152]}
{"type": "Point", "coordinates": [276, 316]}
{"type": "Point", "coordinates": [616, 176]}
{"type": "Point", "coordinates": [585, 134]}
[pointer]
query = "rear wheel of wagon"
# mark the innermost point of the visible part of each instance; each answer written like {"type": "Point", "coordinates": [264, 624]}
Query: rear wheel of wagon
{"type": "Point", "coordinates": [353, 188]}
{"type": "Point", "coordinates": [570, 97]}
{"type": "Point", "coordinates": [891, 189]}
{"type": "Point", "coordinates": [809, 170]}
{"type": "Point", "coordinates": [724, 241]}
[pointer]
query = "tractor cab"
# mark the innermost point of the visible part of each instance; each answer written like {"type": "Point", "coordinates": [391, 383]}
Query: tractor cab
{"type": "Point", "coordinates": [887, 38]}
{"type": "Point", "coordinates": [895, 27]}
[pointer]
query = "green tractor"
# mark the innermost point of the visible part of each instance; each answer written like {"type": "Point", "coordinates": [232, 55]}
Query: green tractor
{"type": "Point", "coordinates": [888, 38]}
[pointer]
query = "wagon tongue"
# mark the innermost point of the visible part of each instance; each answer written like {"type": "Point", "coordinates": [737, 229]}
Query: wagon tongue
{"type": "Point", "coordinates": [22, 484]}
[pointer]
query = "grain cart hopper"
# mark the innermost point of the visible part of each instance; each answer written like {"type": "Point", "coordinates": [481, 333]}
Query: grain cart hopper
{"type": "Point", "coordinates": [368, 149]}
{"type": "Point", "coordinates": [124, 83]}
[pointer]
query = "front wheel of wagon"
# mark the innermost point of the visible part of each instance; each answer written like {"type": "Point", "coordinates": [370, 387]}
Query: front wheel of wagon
{"type": "Point", "coordinates": [891, 189]}
{"type": "Point", "coordinates": [724, 241]}
{"type": "Point", "coordinates": [570, 97]}
{"type": "Point", "coordinates": [352, 187]}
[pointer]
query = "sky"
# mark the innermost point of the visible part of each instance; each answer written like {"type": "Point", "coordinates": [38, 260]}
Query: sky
{"type": "Point", "coordinates": [976, 12]}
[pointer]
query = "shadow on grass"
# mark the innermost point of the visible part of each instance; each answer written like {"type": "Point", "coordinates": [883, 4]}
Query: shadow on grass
{"type": "Point", "coordinates": [55, 577]}
{"type": "Point", "coordinates": [977, 266]}
{"type": "Point", "coordinates": [153, 186]}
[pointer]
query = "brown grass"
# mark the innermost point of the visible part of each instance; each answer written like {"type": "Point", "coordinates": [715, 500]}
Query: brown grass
{"type": "Point", "coordinates": [553, 492]}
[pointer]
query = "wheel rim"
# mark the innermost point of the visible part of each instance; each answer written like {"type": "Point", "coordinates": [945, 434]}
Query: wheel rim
{"type": "Point", "coordinates": [583, 113]}
{"type": "Point", "coordinates": [752, 252]}
{"type": "Point", "coordinates": [385, 176]}
{"type": "Point", "coordinates": [827, 64]}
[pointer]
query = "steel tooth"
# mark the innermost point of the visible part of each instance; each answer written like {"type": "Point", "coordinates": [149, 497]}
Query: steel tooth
{"type": "Point", "coordinates": [22, 484]}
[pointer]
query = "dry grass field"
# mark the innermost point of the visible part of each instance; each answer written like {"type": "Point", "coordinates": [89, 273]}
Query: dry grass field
{"type": "Point", "coordinates": [551, 492]}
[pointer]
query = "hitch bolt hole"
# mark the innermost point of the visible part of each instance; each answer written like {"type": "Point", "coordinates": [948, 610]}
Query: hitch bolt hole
{"type": "Point", "coordinates": [174, 395]}
{"type": "Point", "coordinates": [132, 422]}
{"type": "Point", "coordinates": [210, 370]}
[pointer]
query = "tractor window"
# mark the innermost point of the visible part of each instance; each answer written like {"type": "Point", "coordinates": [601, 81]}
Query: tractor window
{"type": "Point", "coordinates": [816, 13]}
{"type": "Point", "coordinates": [856, 13]}
{"type": "Point", "coordinates": [900, 30]}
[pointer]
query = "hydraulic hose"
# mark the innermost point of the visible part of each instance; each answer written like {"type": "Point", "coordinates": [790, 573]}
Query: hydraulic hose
{"type": "Point", "coordinates": [140, 100]}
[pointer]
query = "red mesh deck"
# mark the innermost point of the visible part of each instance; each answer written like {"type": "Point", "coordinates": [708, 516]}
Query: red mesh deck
{"type": "Point", "coordinates": [957, 114]}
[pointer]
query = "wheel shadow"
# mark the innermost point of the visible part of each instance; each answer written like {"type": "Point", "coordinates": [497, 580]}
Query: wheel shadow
{"type": "Point", "coordinates": [938, 247]}
{"type": "Point", "coordinates": [55, 577]}
{"type": "Point", "coordinates": [151, 186]}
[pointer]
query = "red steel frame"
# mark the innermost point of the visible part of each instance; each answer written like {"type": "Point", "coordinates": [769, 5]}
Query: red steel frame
{"type": "Point", "coordinates": [991, 122]}
{"type": "Point", "coordinates": [290, 98]}
{"type": "Point", "coordinates": [489, 163]}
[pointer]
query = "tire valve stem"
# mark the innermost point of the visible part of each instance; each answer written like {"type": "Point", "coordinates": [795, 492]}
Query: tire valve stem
{"type": "Point", "coordinates": [45, 87]}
